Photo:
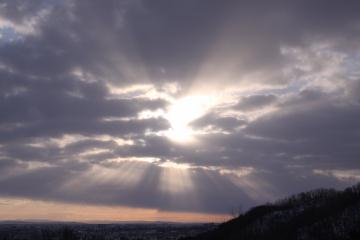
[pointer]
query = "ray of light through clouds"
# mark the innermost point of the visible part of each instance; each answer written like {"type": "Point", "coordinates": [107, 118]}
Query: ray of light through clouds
{"type": "Point", "coordinates": [174, 110]}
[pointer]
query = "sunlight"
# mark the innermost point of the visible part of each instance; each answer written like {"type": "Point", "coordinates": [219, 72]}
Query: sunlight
{"type": "Point", "coordinates": [176, 179]}
{"type": "Point", "coordinates": [124, 174]}
{"type": "Point", "coordinates": [182, 112]}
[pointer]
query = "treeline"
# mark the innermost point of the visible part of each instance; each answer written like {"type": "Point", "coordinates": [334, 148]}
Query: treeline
{"type": "Point", "coordinates": [323, 214]}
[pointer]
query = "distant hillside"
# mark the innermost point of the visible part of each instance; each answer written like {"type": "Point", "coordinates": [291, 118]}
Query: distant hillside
{"type": "Point", "coordinates": [322, 214]}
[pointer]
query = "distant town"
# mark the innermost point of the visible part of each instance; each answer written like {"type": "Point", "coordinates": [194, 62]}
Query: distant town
{"type": "Point", "coordinates": [80, 231]}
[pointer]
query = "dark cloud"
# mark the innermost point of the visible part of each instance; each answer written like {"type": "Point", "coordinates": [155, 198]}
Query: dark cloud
{"type": "Point", "coordinates": [40, 104]}
{"type": "Point", "coordinates": [322, 122]}
{"type": "Point", "coordinates": [64, 184]}
{"type": "Point", "coordinates": [223, 123]}
{"type": "Point", "coordinates": [255, 102]}
{"type": "Point", "coordinates": [57, 128]}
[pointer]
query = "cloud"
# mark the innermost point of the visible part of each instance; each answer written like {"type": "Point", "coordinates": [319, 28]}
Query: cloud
{"type": "Point", "coordinates": [222, 123]}
{"type": "Point", "coordinates": [85, 89]}
{"type": "Point", "coordinates": [255, 102]}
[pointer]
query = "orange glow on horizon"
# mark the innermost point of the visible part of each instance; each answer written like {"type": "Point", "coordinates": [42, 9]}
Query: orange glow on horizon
{"type": "Point", "coordinates": [25, 209]}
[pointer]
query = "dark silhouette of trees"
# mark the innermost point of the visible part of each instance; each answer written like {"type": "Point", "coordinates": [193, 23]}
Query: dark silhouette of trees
{"type": "Point", "coordinates": [323, 214]}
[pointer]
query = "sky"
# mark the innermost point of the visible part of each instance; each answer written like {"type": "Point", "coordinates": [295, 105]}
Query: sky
{"type": "Point", "coordinates": [174, 110]}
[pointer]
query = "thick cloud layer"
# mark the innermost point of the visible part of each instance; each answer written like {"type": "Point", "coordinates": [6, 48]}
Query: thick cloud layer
{"type": "Point", "coordinates": [88, 90]}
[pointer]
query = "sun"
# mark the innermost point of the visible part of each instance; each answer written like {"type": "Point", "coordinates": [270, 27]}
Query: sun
{"type": "Point", "coordinates": [182, 112]}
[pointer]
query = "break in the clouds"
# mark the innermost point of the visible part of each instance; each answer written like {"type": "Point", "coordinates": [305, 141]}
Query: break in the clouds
{"type": "Point", "coordinates": [195, 106]}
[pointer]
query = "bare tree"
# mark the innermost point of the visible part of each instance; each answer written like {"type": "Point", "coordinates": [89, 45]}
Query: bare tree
{"type": "Point", "coordinates": [236, 211]}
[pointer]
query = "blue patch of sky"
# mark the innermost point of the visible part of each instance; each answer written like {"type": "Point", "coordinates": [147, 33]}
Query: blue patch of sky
{"type": "Point", "coordinates": [352, 66]}
{"type": "Point", "coordinates": [9, 35]}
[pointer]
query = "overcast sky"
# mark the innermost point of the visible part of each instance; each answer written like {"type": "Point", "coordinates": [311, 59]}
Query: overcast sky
{"type": "Point", "coordinates": [181, 106]}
